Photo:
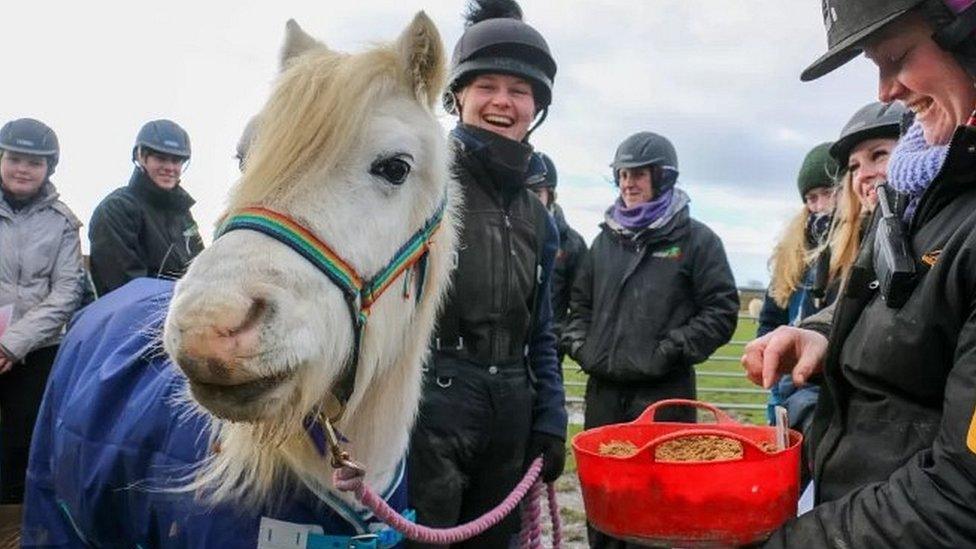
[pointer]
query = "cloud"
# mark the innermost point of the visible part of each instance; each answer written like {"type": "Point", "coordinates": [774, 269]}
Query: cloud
{"type": "Point", "coordinates": [718, 78]}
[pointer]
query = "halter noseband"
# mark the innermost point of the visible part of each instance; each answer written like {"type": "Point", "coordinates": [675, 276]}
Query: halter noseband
{"type": "Point", "coordinates": [360, 295]}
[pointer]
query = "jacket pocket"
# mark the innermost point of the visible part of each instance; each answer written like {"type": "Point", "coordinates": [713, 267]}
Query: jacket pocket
{"type": "Point", "coordinates": [585, 359]}
{"type": "Point", "coordinates": [643, 366]}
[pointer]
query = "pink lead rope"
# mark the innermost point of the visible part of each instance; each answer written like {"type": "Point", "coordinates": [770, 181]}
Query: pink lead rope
{"type": "Point", "coordinates": [350, 479]}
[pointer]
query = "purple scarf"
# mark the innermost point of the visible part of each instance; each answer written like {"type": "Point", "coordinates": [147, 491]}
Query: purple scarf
{"type": "Point", "coordinates": [643, 214]}
{"type": "Point", "coordinates": [913, 166]}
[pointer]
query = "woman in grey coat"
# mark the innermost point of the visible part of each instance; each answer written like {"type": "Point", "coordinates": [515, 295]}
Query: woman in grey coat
{"type": "Point", "coordinates": [41, 281]}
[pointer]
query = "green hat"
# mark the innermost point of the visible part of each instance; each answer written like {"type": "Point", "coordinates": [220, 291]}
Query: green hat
{"type": "Point", "coordinates": [819, 169]}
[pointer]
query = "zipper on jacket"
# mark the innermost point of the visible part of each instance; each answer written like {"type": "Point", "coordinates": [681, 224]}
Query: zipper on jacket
{"type": "Point", "coordinates": [506, 282]}
{"type": "Point", "coordinates": [640, 252]}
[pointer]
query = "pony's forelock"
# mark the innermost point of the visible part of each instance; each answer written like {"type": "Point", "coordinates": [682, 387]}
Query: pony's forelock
{"type": "Point", "coordinates": [314, 118]}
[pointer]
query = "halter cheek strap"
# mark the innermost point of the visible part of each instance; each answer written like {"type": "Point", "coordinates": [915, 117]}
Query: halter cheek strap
{"type": "Point", "coordinates": [360, 294]}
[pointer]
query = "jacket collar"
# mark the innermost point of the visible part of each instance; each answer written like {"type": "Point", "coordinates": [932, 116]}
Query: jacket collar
{"type": "Point", "coordinates": [498, 164]}
{"type": "Point", "coordinates": [45, 196]}
{"type": "Point", "coordinates": [955, 177]}
{"type": "Point", "coordinates": [175, 199]}
{"type": "Point", "coordinates": [673, 220]}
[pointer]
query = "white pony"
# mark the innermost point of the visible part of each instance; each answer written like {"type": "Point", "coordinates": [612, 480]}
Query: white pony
{"type": "Point", "coordinates": [317, 301]}
{"type": "Point", "coordinates": [348, 146]}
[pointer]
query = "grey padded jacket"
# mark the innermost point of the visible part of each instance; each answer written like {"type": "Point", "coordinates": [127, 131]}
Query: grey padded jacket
{"type": "Point", "coordinates": [41, 271]}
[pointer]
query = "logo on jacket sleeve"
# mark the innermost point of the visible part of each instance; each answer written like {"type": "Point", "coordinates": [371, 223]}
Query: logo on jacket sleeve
{"type": "Point", "coordinates": [971, 438]}
{"type": "Point", "coordinates": [674, 252]}
{"type": "Point", "coordinates": [930, 258]}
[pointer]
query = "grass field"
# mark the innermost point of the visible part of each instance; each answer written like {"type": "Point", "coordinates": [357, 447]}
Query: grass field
{"type": "Point", "coordinates": [720, 381]}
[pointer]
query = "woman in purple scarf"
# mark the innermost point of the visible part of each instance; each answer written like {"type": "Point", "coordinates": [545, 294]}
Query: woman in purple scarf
{"type": "Point", "coordinates": [653, 297]}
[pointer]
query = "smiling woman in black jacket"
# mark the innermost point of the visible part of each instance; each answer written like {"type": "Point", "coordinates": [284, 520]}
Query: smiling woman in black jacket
{"type": "Point", "coordinates": [145, 228]}
{"type": "Point", "coordinates": [654, 296]}
{"type": "Point", "coordinates": [894, 433]}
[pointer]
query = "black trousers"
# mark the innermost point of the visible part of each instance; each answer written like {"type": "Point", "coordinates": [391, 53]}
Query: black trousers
{"type": "Point", "coordinates": [467, 451]}
{"type": "Point", "coordinates": [21, 391]}
{"type": "Point", "coordinates": [609, 402]}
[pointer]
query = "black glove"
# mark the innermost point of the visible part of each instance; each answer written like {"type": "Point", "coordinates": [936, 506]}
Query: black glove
{"type": "Point", "coordinates": [553, 452]}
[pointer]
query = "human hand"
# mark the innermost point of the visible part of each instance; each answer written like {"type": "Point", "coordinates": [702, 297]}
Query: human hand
{"type": "Point", "coordinates": [573, 349]}
{"type": "Point", "coordinates": [784, 350]}
{"type": "Point", "coordinates": [6, 363]}
{"type": "Point", "coordinates": [553, 452]}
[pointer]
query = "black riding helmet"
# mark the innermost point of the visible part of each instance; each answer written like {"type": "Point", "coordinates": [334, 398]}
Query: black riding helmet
{"type": "Point", "coordinates": [164, 136]}
{"type": "Point", "coordinates": [870, 121]}
{"type": "Point", "coordinates": [850, 23]}
{"type": "Point", "coordinates": [542, 172]}
{"type": "Point", "coordinates": [498, 41]}
{"type": "Point", "coordinates": [30, 136]}
{"type": "Point", "coordinates": [648, 149]}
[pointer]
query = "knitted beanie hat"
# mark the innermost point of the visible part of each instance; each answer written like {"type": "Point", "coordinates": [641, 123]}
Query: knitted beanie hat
{"type": "Point", "coordinates": [819, 169]}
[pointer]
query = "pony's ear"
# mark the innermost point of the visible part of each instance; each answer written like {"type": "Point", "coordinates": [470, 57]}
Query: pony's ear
{"type": "Point", "coordinates": [422, 59]}
{"type": "Point", "coordinates": [297, 42]}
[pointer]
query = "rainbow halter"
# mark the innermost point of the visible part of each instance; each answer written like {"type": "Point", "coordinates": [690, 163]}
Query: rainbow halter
{"type": "Point", "coordinates": [360, 295]}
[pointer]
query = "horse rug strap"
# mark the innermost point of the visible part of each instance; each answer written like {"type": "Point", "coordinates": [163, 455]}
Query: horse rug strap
{"type": "Point", "coordinates": [360, 294]}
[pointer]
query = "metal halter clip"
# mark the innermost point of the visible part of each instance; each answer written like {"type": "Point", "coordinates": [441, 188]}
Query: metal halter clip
{"type": "Point", "coordinates": [340, 458]}
{"type": "Point", "coordinates": [364, 540]}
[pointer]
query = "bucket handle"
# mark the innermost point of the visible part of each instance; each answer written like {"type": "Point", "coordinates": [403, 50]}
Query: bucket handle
{"type": "Point", "coordinates": [648, 415]}
{"type": "Point", "coordinates": [751, 450]}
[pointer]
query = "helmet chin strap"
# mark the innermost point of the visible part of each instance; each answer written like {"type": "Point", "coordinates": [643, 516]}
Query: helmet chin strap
{"type": "Point", "coordinates": [136, 160]}
{"type": "Point", "coordinates": [956, 37]}
{"type": "Point", "coordinates": [540, 118]}
{"type": "Point", "coordinates": [951, 36]}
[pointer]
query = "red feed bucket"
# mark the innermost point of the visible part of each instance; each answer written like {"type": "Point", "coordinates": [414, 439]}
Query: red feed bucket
{"type": "Point", "coordinates": [687, 503]}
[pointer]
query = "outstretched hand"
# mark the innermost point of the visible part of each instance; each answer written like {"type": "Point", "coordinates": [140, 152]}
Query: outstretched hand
{"type": "Point", "coordinates": [782, 351]}
{"type": "Point", "coordinates": [6, 363]}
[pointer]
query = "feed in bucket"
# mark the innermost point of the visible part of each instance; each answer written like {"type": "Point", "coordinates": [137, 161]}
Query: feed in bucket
{"type": "Point", "coordinates": [634, 490]}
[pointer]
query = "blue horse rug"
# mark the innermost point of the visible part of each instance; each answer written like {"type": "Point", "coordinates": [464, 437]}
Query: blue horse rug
{"type": "Point", "coordinates": [110, 434]}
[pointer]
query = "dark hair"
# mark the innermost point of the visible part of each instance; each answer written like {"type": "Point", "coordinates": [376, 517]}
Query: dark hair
{"type": "Point", "coordinates": [940, 17]}
{"type": "Point", "coordinates": [480, 10]}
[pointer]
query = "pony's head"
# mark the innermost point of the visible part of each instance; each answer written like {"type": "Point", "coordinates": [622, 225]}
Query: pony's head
{"type": "Point", "coordinates": [348, 148]}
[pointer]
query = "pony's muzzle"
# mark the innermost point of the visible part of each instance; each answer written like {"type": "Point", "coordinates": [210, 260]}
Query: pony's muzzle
{"type": "Point", "coordinates": [215, 352]}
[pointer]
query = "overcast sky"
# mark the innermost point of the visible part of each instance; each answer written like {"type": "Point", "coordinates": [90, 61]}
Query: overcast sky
{"type": "Point", "coordinates": [718, 77]}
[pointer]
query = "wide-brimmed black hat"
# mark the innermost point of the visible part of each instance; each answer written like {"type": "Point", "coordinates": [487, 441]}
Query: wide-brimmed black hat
{"type": "Point", "coordinates": [849, 23]}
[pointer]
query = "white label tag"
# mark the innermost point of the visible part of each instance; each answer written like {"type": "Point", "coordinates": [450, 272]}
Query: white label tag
{"type": "Point", "coordinates": [278, 534]}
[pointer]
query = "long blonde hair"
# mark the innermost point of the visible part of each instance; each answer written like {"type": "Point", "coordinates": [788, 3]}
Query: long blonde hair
{"type": "Point", "coordinates": [845, 229]}
{"type": "Point", "coordinates": [790, 258]}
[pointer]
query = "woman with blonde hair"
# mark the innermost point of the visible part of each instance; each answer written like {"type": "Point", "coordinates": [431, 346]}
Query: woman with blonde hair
{"type": "Point", "coordinates": [794, 265]}
{"type": "Point", "coordinates": [862, 151]}
{"type": "Point", "coordinates": [788, 299]}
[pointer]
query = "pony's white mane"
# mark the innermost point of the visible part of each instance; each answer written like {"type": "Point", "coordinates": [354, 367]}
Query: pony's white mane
{"type": "Point", "coordinates": [325, 109]}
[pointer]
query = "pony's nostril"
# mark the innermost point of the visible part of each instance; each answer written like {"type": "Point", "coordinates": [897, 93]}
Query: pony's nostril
{"type": "Point", "coordinates": [251, 318]}
{"type": "Point", "coordinates": [217, 351]}
{"type": "Point", "coordinates": [219, 371]}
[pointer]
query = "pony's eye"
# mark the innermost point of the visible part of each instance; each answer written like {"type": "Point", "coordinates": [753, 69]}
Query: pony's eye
{"type": "Point", "coordinates": [395, 169]}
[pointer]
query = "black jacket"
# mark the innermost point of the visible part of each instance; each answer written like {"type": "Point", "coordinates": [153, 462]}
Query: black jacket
{"type": "Point", "coordinates": [141, 230]}
{"type": "Point", "coordinates": [498, 310]}
{"type": "Point", "coordinates": [648, 305]}
{"type": "Point", "coordinates": [572, 249]}
{"type": "Point", "coordinates": [895, 428]}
